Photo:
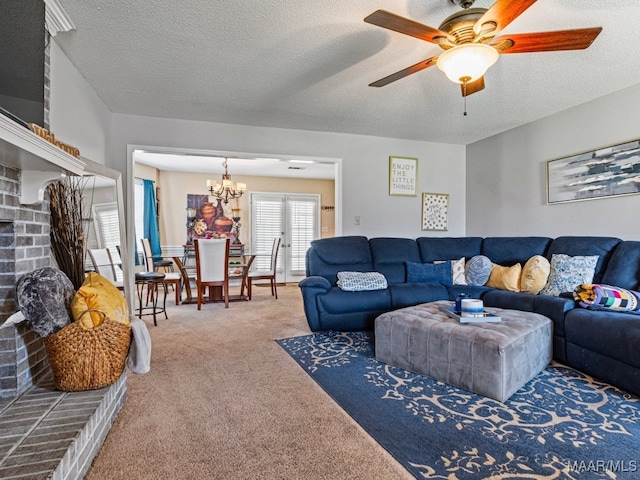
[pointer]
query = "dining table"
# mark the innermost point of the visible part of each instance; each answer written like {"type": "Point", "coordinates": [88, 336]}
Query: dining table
{"type": "Point", "coordinates": [239, 266]}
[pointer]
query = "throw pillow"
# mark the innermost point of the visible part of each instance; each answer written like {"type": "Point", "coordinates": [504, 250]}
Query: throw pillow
{"type": "Point", "coordinates": [534, 274]}
{"type": "Point", "coordinates": [567, 272]}
{"type": "Point", "coordinates": [607, 297]}
{"type": "Point", "coordinates": [505, 278]}
{"type": "Point", "coordinates": [429, 273]}
{"type": "Point", "coordinates": [361, 281]}
{"type": "Point", "coordinates": [457, 272]}
{"type": "Point", "coordinates": [477, 270]}
{"type": "Point", "coordinates": [99, 293]}
{"type": "Point", "coordinates": [44, 296]}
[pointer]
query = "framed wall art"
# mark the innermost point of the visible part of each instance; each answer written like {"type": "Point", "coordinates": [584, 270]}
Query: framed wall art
{"type": "Point", "coordinates": [435, 211]}
{"type": "Point", "coordinates": [403, 176]}
{"type": "Point", "coordinates": [606, 172]}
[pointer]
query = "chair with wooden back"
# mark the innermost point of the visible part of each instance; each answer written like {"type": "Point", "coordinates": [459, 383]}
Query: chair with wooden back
{"type": "Point", "coordinates": [188, 279]}
{"type": "Point", "coordinates": [103, 265]}
{"type": "Point", "coordinates": [212, 267]}
{"type": "Point", "coordinates": [271, 275]}
{"type": "Point", "coordinates": [170, 278]}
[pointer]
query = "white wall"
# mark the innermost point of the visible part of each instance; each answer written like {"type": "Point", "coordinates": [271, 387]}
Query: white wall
{"type": "Point", "coordinates": [78, 116]}
{"type": "Point", "coordinates": [364, 160]}
{"type": "Point", "coordinates": [506, 174]}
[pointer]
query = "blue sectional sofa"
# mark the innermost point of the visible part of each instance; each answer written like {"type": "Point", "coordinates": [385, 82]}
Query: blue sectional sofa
{"type": "Point", "coordinates": [600, 343]}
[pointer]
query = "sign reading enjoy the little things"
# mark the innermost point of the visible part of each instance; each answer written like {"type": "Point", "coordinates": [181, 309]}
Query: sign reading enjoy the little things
{"type": "Point", "coordinates": [403, 175]}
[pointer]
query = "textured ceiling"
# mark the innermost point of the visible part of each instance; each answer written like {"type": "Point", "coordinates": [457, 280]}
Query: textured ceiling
{"type": "Point", "coordinates": [307, 64]}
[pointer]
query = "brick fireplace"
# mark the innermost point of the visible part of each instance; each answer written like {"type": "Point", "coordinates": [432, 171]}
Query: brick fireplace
{"type": "Point", "coordinates": [44, 433]}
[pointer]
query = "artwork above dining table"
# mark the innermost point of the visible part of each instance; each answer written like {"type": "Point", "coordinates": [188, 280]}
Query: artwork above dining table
{"type": "Point", "coordinates": [606, 172]}
{"type": "Point", "coordinates": [210, 220]}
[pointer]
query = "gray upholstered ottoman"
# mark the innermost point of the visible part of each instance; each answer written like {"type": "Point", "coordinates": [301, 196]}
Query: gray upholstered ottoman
{"type": "Point", "coordinates": [491, 359]}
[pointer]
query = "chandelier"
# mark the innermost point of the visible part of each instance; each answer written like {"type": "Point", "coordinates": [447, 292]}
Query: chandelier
{"type": "Point", "coordinates": [227, 190]}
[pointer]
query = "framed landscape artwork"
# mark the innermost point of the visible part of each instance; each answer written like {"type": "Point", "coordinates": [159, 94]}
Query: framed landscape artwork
{"type": "Point", "coordinates": [606, 172]}
{"type": "Point", "coordinates": [435, 211]}
{"type": "Point", "coordinates": [403, 176]}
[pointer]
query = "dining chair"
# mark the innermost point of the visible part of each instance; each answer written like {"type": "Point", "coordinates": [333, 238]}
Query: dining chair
{"type": "Point", "coordinates": [271, 275]}
{"type": "Point", "coordinates": [240, 274]}
{"type": "Point", "coordinates": [158, 262]}
{"type": "Point", "coordinates": [103, 265]}
{"type": "Point", "coordinates": [212, 267]}
{"type": "Point", "coordinates": [173, 279]}
{"type": "Point", "coordinates": [188, 279]}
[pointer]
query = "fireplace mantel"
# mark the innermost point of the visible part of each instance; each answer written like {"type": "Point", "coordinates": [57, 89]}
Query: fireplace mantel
{"type": "Point", "coordinates": [40, 161]}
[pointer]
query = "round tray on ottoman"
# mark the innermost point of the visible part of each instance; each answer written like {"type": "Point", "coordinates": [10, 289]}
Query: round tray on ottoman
{"type": "Point", "coordinates": [494, 359]}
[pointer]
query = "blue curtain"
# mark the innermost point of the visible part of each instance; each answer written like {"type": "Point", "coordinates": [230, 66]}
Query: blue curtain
{"type": "Point", "coordinates": [150, 221]}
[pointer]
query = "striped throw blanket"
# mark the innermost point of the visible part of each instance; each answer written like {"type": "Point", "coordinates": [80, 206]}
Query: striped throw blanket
{"type": "Point", "coordinates": [607, 297]}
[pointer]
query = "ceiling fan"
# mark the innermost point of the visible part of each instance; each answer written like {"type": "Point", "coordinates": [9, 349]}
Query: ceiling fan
{"type": "Point", "coordinates": [469, 40]}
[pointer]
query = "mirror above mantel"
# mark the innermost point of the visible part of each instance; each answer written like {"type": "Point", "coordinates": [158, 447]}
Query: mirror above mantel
{"type": "Point", "coordinates": [41, 163]}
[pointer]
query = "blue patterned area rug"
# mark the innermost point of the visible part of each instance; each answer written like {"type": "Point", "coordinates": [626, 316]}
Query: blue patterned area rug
{"type": "Point", "coordinates": [561, 425]}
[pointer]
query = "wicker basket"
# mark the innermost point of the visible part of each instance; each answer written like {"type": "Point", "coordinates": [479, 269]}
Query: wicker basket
{"type": "Point", "coordinates": [86, 359]}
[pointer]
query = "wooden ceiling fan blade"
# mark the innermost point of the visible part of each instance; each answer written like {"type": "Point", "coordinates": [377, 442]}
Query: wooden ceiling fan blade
{"type": "Point", "coordinates": [546, 41]}
{"type": "Point", "coordinates": [391, 21]}
{"type": "Point", "coordinates": [472, 87]}
{"type": "Point", "coordinates": [429, 62]}
{"type": "Point", "coordinates": [501, 14]}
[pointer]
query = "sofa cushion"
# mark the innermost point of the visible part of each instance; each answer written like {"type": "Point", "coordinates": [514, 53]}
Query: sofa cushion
{"type": "Point", "coordinates": [505, 278]}
{"type": "Point", "coordinates": [338, 301]}
{"type": "Point", "coordinates": [510, 300]}
{"type": "Point", "coordinates": [566, 272]}
{"type": "Point", "coordinates": [408, 294]}
{"type": "Point", "coordinates": [612, 334]}
{"type": "Point", "coordinates": [429, 273]}
{"type": "Point", "coordinates": [586, 246]}
{"type": "Point", "coordinates": [328, 256]}
{"type": "Point", "coordinates": [477, 270]}
{"type": "Point", "coordinates": [448, 248]}
{"type": "Point", "coordinates": [535, 274]}
{"type": "Point", "coordinates": [389, 256]}
{"type": "Point", "coordinates": [623, 269]}
{"type": "Point", "coordinates": [361, 281]}
{"type": "Point", "coordinates": [511, 250]}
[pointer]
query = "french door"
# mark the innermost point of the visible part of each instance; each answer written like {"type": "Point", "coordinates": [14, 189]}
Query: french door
{"type": "Point", "coordinates": [295, 218]}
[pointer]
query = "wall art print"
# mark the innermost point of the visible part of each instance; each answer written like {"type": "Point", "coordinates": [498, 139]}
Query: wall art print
{"type": "Point", "coordinates": [435, 211]}
{"type": "Point", "coordinates": [210, 218]}
{"type": "Point", "coordinates": [606, 172]}
{"type": "Point", "coordinates": [403, 176]}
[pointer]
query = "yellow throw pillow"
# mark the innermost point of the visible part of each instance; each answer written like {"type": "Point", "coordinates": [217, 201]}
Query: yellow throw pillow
{"type": "Point", "coordinates": [99, 293]}
{"type": "Point", "coordinates": [505, 278]}
{"type": "Point", "coordinates": [534, 274]}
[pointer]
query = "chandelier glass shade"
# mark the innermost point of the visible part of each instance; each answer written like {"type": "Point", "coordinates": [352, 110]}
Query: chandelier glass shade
{"type": "Point", "coordinates": [226, 190]}
{"type": "Point", "coordinates": [468, 62]}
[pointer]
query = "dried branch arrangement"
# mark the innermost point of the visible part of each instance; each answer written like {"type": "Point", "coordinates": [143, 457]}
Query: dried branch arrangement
{"type": "Point", "coordinates": [67, 234]}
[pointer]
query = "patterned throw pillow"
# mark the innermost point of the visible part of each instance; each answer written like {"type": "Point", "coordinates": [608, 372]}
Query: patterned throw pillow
{"type": "Point", "coordinates": [361, 281]}
{"type": "Point", "coordinates": [457, 272]}
{"type": "Point", "coordinates": [568, 272]}
{"type": "Point", "coordinates": [477, 270]}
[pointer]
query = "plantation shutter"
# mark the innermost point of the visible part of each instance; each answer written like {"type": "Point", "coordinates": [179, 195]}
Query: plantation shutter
{"type": "Point", "coordinates": [302, 227]}
{"type": "Point", "coordinates": [266, 224]}
{"type": "Point", "coordinates": [107, 224]}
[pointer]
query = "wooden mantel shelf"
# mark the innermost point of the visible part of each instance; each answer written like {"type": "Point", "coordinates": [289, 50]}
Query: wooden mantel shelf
{"type": "Point", "coordinates": [41, 162]}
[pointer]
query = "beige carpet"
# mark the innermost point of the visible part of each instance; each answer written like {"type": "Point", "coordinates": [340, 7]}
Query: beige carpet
{"type": "Point", "coordinates": [224, 401]}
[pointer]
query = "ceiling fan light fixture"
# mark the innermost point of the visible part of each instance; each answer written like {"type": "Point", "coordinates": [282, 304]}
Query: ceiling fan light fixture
{"type": "Point", "coordinates": [468, 62]}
